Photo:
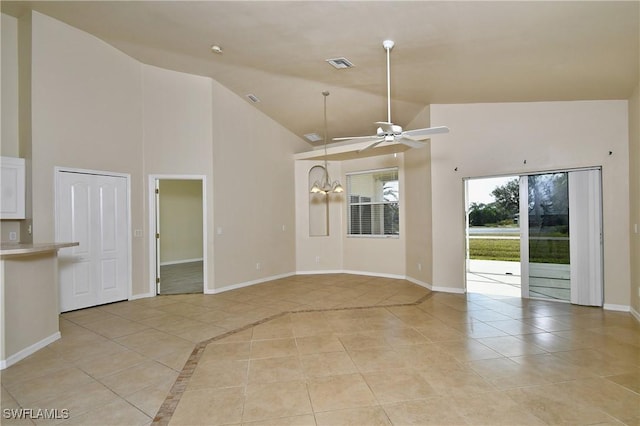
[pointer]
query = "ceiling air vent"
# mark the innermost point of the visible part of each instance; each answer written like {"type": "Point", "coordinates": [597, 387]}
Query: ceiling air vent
{"type": "Point", "coordinates": [253, 98]}
{"type": "Point", "coordinates": [313, 137]}
{"type": "Point", "coordinates": [340, 63]}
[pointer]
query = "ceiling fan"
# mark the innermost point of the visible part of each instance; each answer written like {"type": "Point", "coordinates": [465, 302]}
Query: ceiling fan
{"type": "Point", "coordinates": [389, 132]}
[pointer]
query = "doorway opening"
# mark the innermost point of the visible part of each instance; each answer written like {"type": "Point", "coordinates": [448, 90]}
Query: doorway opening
{"type": "Point", "coordinates": [547, 226]}
{"type": "Point", "coordinates": [493, 236]}
{"type": "Point", "coordinates": [178, 223]}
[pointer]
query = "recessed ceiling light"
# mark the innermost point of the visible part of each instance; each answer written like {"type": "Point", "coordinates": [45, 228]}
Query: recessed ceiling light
{"type": "Point", "coordinates": [216, 49]}
{"type": "Point", "coordinates": [340, 63]}
{"type": "Point", "coordinates": [313, 137]}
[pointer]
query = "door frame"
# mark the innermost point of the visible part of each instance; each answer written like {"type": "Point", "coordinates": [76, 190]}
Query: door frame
{"type": "Point", "coordinates": [153, 226]}
{"type": "Point", "coordinates": [465, 190]}
{"type": "Point", "coordinates": [56, 173]}
{"type": "Point", "coordinates": [524, 217]}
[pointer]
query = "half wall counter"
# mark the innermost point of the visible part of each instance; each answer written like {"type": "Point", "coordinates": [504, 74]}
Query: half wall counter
{"type": "Point", "coordinates": [29, 299]}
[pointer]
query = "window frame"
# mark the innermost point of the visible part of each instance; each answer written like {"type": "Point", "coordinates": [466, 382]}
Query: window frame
{"type": "Point", "coordinates": [370, 204]}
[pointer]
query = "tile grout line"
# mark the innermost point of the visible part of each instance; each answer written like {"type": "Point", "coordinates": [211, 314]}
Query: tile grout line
{"type": "Point", "coordinates": [168, 407]}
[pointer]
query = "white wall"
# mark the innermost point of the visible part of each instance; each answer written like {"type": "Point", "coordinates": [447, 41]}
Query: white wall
{"type": "Point", "coordinates": [494, 139]}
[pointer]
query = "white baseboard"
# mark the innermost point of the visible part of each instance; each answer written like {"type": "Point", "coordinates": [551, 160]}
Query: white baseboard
{"type": "Point", "coordinates": [635, 314]}
{"type": "Point", "coordinates": [141, 296]}
{"type": "Point", "coordinates": [620, 308]}
{"type": "Point", "coordinates": [28, 351]}
{"type": "Point", "coordinates": [247, 283]}
{"type": "Point", "coordinates": [420, 283]}
{"type": "Point", "coordinates": [435, 288]}
{"type": "Point", "coordinates": [177, 262]}
{"type": "Point", "coordinates": [454, 290]}
{"type": "Point", "coordinates": [320, 272]}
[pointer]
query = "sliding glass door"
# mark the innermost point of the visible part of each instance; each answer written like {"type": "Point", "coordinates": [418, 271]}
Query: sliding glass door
{"type": "Point", "coordinates": [548, 236]}
{"type": "Point", "coordinates": [560, 227]}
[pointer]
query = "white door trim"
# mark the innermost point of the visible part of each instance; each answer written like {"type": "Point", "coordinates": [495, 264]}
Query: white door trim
{"type": "Point", "coordinates": [56, 173]}
{"type": "Point", "coordinates": [152, 226]}
{"type": "Point", "coordinates": [523, 223]}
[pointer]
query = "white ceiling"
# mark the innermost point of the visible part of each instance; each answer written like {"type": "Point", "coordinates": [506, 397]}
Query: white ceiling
{"type": "Point", "coordinates": [446, 52]}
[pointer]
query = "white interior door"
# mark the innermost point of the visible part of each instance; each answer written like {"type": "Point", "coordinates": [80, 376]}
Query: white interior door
{"type": "Point", "coordinates": [92, 210]}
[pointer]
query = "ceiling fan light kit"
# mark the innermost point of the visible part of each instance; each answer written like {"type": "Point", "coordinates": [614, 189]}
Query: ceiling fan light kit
{"type": "Point", "coordinates": [326, 186]}
{"type": "Point", "coordinates": [389, 132]}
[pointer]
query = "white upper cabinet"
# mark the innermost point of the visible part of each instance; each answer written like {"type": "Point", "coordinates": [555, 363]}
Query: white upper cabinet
{"type": "Point", "coordinates": [12, 202]}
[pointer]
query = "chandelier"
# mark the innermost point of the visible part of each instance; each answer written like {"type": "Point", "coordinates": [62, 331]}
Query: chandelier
{"type": "Point", "coordinates": [326, 186]}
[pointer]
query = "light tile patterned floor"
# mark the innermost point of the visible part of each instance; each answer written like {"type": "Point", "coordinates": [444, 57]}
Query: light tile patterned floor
{"type": "Point", "coordinates": [182, 278]}
{"type": "Point", "coordinates": [332, 350]}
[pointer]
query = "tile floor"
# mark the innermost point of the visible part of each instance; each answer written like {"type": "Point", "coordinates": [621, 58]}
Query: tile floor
{"type": "Point", "coordinates": [182, 278]}
{"type": "Point", "coordinates": [334, 350]}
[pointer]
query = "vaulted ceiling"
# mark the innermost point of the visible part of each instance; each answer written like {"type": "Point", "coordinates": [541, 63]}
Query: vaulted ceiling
{"type": "Point", "coordinates": [446, 52]}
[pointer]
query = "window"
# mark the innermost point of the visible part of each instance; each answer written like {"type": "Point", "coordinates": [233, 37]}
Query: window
{"type": "Point", "coordinates": [373, 202]}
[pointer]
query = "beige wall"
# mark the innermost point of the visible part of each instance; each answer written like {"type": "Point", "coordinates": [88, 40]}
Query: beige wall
{"type": "Point", "coordinates": [30, 304]}
{"type": "Point", "coordinates": [494, 139]}
{"type": "Point", "coordinates": [96, 108]}
{"type": "Point", "coordinates": [337, 252]}
{"type": "Point", "coordinates": [634, 198]}
{"type": "Point", "coordinates": [417, 177]}
{"type": "Point", "coordinates": [177, 136]}
{"type": "Point", "coordinates": [9, 87]}
{"type": "Point", "coordinates": [181, 228]}
{"type": "Point", "coordinates": [376, 255]}
{"type": "Point", "coordinates": [253, 185]}
{"type": "Point", "coordinates": [24, 118]}
{"type": "Point", "coordinates": [318, 254]}
{"type": "Point", "coordinates": [9, 146]}
{"type": "Point", "coordinates": [86, 113]}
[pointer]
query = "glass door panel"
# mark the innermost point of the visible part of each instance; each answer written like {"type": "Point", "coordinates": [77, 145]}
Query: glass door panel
{"type": "Point", "coordinates": [549, 271]}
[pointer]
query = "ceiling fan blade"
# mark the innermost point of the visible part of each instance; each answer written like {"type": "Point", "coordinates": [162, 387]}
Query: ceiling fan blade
{"type": "Point", "coordinates": [410, 142]}
{"type": "Point", "coordinates": [357, 138]}
{"type": "Point", "coordinates": [376, 143]}
{"type": "Point", "coordinates": [422, 134]}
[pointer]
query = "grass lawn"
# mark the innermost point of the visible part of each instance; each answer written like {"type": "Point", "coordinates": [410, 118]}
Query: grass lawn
{"type": "Point", "coordinates": [493, 249]}
{"type": "Point", "coordinates": [540, 251]}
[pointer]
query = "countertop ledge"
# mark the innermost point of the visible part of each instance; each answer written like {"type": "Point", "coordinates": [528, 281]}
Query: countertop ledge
{"type": "Point", "coordinates": [20, 249]}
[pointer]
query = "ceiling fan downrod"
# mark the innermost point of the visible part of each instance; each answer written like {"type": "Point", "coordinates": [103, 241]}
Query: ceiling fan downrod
{"type": "Point", "coordinates": [388, 45]}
